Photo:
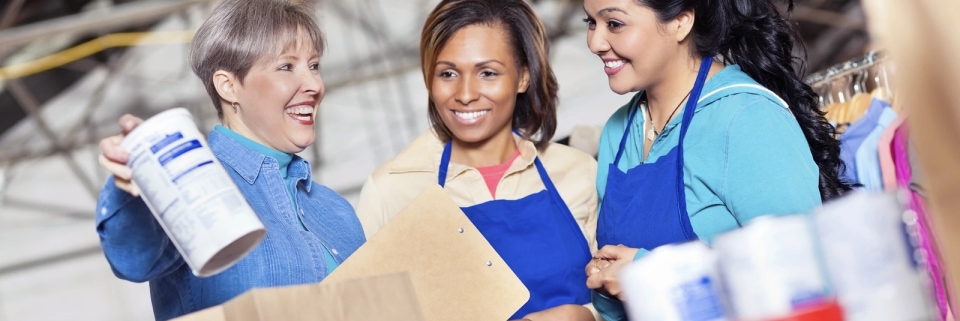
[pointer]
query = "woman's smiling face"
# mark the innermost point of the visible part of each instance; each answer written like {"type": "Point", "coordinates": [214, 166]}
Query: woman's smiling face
{"type": "Point", "coordinates": [476, 81]}
{"type": "Point", "coordinates": [279, 98]}
{"type": "Point", "coordinates": [631, 41]}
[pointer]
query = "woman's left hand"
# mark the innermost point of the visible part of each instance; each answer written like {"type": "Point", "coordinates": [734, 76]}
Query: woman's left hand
{"type": "Point", "coordinates": [566, 312]}
{"type": "Point", "coordinates": [603, 270]}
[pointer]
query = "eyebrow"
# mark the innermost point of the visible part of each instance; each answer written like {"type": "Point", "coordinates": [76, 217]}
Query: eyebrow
{"type": "Point", "coordinates": [294, 56]}
{"type": "Point", "coordinates": [485, 62]}
{"type": "Point", "coordinates": [607, 10]}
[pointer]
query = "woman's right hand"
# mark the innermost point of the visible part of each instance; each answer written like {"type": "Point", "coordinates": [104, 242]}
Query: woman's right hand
{"type": "Point", "coordinates": [113, 158]}
{"type": "Point", "coordinates": [604, 270]}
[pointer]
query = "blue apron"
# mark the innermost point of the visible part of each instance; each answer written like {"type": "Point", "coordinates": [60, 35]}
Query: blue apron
{"type": "Point", "coordinates": [538, 238]}
{"type": "Point", "coordinates": [646, 207]}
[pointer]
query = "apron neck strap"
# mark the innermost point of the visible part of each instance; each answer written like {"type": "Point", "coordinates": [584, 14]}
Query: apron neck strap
{"type": "Point", "coordinates": [626, 131]}
{"type": "Point", "coordinates": [691, 106]}
{"type": "Point", "coordinates": [688, 110]}
{"type": "Point", "coordinates": [444, 163]}
{"type": "Point", "coordinates": [687, 117]}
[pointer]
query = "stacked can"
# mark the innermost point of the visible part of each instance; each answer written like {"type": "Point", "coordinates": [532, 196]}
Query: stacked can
{"type": "Point", "coordinates": [870, 260]}
{"type": "Point", "coordinates": [772, 270]}
{"type": "Point", "coordinates": [674, 283]}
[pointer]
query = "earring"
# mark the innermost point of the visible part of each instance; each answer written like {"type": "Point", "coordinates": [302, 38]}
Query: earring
{"type": "Point", "coordinates": [235, 106]}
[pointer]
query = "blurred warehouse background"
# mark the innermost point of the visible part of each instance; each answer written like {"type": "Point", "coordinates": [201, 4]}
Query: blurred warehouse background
{"type": "Point", "coordinates": [70, 68]}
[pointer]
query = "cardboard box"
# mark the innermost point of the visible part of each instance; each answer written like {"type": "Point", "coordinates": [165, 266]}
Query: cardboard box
{"type": "Point", "coordinates": [383, 297]}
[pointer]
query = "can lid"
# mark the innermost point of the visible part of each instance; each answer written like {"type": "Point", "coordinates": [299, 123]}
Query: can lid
{"type": "Point", "coordinates": [830, 311]}
{"type": "Point", "coordinates": [177, 118]}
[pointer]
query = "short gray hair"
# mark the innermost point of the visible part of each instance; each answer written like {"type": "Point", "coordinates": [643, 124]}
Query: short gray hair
{"type": "Point", "coordinates": [238, 33]}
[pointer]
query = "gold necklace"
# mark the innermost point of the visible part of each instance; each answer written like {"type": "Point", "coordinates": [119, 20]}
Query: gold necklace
{"type": "Point", "coordinates": [652, 132]}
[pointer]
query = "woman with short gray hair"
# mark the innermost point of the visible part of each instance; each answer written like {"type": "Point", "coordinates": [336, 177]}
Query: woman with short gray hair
{"type": "Point", "coordinates": [259, 62]}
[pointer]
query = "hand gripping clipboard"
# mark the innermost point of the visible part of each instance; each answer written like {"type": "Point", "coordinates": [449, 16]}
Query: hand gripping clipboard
{"type": "Point", "coordinates": [456, 274]}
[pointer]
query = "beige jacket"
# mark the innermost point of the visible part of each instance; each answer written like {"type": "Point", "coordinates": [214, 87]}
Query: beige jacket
{"type": "Point", "coordinates": [395, 184]}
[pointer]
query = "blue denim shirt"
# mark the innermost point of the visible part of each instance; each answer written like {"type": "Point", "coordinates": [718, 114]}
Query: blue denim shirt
{"type": "Point", "coordinates": [283, 163]}
{"type": "Point", "coordinates": [138, 250]}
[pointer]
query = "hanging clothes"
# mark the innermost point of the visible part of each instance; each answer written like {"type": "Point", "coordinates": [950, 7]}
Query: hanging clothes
{"type": "Point", "coordinates": [867, 156]}
{"type": "Point", "coordinates": [888, 169]}
{"type": "Point", "coordinates": [876, 154]}
{"type": "Point", "coordinates": [853, 137]}
{"type": "Point", "coordinates": [905, 176]}
{"type": "Point", "coordinates": [857, 107]}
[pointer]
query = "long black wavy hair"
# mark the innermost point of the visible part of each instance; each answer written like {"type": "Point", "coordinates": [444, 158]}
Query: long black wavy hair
{"type": "Point", "coordinates": [754, 35]}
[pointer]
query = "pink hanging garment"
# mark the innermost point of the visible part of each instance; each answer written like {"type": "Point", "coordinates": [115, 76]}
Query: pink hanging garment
{"type": "Point", "coordinates": [927, 243]}
{"type": "Point", "coordinates": [888, 170]}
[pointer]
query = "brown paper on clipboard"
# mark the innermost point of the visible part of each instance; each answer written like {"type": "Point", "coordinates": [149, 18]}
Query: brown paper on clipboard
{"type": "Point", "coordinates": [456, 275]}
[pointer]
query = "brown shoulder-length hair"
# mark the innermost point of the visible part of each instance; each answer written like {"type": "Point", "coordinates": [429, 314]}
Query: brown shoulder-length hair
{"type": "Point", "coordinates": [535, 115]}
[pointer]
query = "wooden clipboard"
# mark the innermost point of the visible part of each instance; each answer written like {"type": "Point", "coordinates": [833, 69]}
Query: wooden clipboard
{"type": "Point", "coordinates": [456, 273]}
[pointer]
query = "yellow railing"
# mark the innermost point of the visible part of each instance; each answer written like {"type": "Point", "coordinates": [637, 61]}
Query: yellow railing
{"type": "Point", "coordinates": [92, 47]}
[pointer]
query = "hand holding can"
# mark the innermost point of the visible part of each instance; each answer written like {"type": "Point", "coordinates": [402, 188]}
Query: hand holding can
{"type": "Point", "coordinates": [189, 192]}
{"type": "Point", "coordinates": [113, 158]}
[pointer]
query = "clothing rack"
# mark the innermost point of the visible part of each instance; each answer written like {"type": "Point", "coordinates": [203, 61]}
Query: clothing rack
{"type": "Point", "coordinates": [842, 69]}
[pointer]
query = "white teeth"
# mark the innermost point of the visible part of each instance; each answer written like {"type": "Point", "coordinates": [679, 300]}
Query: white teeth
{"type": "Point", "coordinates": [300, 112]}
{"type": "Point", "coordinates": [470, 115]}
{"type": "Point", "coordinates": [613, 64]}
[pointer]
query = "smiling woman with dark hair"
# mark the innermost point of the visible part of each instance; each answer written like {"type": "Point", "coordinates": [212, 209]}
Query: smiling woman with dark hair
{"type": "Point", "coordinates": [493, 101]}
{"type": "Point", "coordinates": [720, 129]}
{"type": "Point", "coordinates": [259, 61]}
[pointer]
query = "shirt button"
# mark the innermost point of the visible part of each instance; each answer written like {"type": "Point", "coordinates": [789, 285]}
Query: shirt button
{"type": "Point", "coordinates": [103, 211]}
{"type": "Point", "coordinates": [334, 251]}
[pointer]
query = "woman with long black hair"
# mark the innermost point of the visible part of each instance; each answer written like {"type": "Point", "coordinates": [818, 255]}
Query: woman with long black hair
{"type": "Point", "coordinates": [720, 130]}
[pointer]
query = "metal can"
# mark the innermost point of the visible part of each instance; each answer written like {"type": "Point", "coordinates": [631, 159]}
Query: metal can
{"type": "Point", "coordinates": [771, 267]}
{"type": "Point", "coordinates": [674, 283]}
{"type": "Point", "coordinates": [870, 260]}
{"type": "Point", "coordinates": [190, 193]}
